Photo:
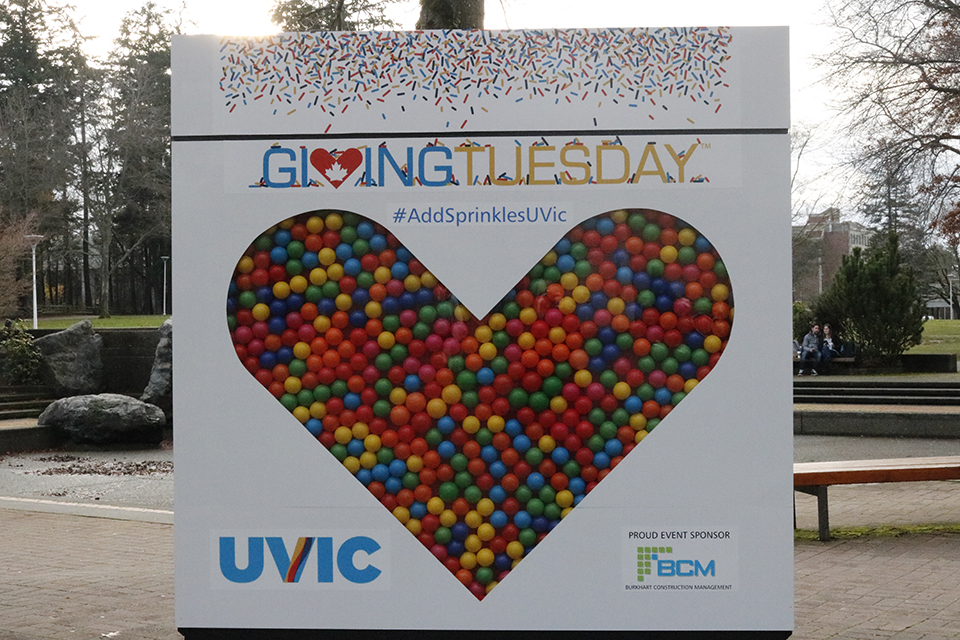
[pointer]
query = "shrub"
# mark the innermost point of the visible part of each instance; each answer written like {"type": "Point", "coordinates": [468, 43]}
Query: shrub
{"type": "Point", "coordinates": [874, 298]}
{"type": "Point", "coordinates": [20, 359]}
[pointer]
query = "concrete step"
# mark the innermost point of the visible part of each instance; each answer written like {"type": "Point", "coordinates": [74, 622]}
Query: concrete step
{"type": "Point", "coordinates": [24, 434]}
{"type": "Point", "coordinates": [876, 392]}
{"type": "Point", "coordinates": [879, 400]}
{"type": "Point", "coordinates": [889, 421]}
{"type": "Point", "coordinates": [24, 401]}
{"type": "Point", "coordinates": [25, 392]}
{"type": "Point", "coordinates": [18, 414]}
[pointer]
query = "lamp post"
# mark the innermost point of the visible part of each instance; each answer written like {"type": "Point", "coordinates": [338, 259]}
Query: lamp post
{"type": "Point", "coordinates": [164, 258]}
{"type": "Point", "coordinates": [34, 240]}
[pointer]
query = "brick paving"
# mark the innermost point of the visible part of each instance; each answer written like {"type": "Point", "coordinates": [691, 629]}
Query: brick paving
{"type": "Point", "coordinates": [70, 576]}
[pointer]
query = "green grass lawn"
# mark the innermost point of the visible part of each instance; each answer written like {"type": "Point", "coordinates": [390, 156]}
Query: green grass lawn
{"type": "Point", "coordinates": [939, 336]}
{"type": "Point", "coordinates": [116, 322]}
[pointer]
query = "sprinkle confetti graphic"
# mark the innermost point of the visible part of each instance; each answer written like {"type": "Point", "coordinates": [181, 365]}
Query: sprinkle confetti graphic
{"type": "Point", "coordinates": [462, 73]}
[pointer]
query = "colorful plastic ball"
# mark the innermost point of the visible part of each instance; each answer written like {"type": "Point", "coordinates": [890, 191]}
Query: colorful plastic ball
{"type": "Point", "coordinates": [485, 433]}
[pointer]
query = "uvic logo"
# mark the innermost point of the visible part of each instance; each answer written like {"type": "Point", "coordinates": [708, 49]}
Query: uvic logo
{"type": "Point", "coordinates": [352, 561]}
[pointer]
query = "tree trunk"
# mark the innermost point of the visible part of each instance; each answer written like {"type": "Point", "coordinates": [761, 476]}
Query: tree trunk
{"type": "Point", "coordinates": [105, 241]}
{"type": "Point", "coordinates": [451, 14]}
{"type": "Point", "coordinates": [85, 198]}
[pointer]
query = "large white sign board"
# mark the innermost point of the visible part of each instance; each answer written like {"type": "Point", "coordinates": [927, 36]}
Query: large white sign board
{"type": "Point", "coordinates": [478, 153]}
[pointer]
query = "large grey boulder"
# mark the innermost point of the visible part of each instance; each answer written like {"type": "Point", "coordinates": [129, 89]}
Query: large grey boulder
{"type": "Point", "coordinates": [72, 364]}
{"type": "Point", "coordinates": [105, 418]}
{"type": "Point", "coordinates": [159, 390]}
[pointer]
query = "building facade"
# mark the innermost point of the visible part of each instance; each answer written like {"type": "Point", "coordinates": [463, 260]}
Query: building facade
{"type": "Point", "coordinates": [818, 250]}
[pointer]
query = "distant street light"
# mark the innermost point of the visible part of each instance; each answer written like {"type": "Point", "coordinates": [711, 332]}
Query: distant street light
{"type": "Point", "coordinates": [950, 285]}
{"type": "Point", "coordinates": [164, 258]}
{"type": "Point", "coordinates": [34, 240]}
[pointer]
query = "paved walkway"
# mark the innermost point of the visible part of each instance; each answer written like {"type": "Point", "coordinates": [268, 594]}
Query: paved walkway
{"type": "Point", "coordinates": [74, 576]}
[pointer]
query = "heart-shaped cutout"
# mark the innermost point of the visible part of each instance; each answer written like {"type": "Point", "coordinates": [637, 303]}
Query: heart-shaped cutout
{"type": "Point", "coordinates": [480, 435]}
{"type": "Point", "coordinates": [336, 169]}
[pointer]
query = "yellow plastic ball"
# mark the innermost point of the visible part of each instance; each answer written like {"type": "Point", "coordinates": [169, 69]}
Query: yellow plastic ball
{"type": "Point", "coordinates": [382, 275]}
{"type": "Point", "coordinates": [451, 394]}
{"type": "Point", "coordinates": [327, 256]}
{"type": "Point", "coordinates": [245, 265]}
{"type": "Point", "coordinates": [301, 351]}
{"type": "Point", "coordinates": [497, 321]}
{"type": "Point", "coordinates": [487, 351]}
{"type": "Point", "coordinates": [372, 443]}
{"type": "Point", "coordinates": [315, 224]}
{"type": "Point", "coordinates": [485, 507]}
{"type": "Point", "coordinates": [436, 408]}
{"type": "Point", "coordinates": [485, 557]}
{"type": "Point", "coordinates": [428, 280]}
{"type": "Point", "coordinates": [292, 385]}
{"type": "Point", "coordinates": [411, 283]}
{"type": "Point", "coordinates": [334, 221]}
{"type": "Point", "coordinates": [344, 302]}
{"type": "Point", "coordinates": [580, 294]}
{"type": "Point", "coordinates": [261, 312]}
{"type": "Point", "coordinates": [687, 237]}
{"type": "Point", "coordinates": [302, 414]}
{"type": "Point", "coordinates": [582, 378]}
{"type": "Point", "coordinates": [435, 506]}
{"type": "Point", "coordinates": [712, 344]}
{"type": "Point", "coordinates": [318, 410]}
{"type": "Point", "coordinates": [352, 464]}
{"type": "Point", "coordinates": [471, 424]}
{"type": "Point", "coordinates": [298, 284]}
{"type": "Point", "coordinates": [386, 340]}
{"type": "Point", "coordinates": [335, 272]}
{"type": "Point", "coordinates": [668, 254]}
{"type": "Point", "coordinates": [397, 396]}
{"type": "Point", "coordinates": [343, 435]}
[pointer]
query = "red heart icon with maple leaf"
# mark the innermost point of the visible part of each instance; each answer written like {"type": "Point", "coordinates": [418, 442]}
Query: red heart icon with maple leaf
{"type": "Point", "coordinates": [336, 168]}
{"type": "Point", "coordinates": [480, 435]}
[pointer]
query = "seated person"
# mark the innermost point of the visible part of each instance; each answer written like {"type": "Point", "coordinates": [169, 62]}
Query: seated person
{"type": "Point", "coordinates": [810, 350]}
{"type": "Point", "coordinates": [829, 348]}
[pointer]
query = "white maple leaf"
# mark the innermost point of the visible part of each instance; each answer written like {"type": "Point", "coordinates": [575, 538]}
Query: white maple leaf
{"type": "Point", "coordinates": [336, 173]}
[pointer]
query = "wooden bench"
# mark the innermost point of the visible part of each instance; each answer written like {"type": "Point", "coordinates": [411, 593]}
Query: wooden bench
{"type": "Point", "coordinates": [841, 362]}
{"type": "Point", "coordinates": [814, 477]}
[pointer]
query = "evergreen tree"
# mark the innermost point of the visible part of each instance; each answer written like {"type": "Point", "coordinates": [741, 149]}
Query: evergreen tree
{"type": "Point", "coordinates": [874, 299]}
{"type": "Point", "coordinates": [891, 203]}
{"type": "Point", "coordinates": [131, 199]}
{"type": "Point", "coordinates": [332, 15]}
{"type": "Point", "coordinates": [37, 62]}
{"type": "Point", "coordinates": [451, 14]}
